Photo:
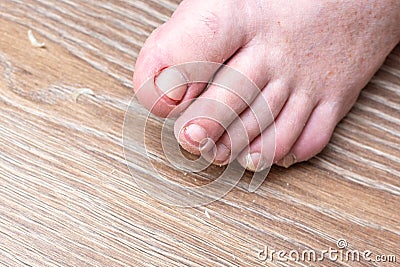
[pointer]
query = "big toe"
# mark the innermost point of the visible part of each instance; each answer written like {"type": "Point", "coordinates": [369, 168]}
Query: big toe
{"type": "Point", "coordinates": [197, 32]}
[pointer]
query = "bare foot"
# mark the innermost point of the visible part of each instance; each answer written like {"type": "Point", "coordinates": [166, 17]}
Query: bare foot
{"type": "Point", "coordinates": [309, 58]}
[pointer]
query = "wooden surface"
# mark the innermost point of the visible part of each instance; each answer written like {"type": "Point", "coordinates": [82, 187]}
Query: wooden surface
{"type": "Point", "coordinates": [68, 199]}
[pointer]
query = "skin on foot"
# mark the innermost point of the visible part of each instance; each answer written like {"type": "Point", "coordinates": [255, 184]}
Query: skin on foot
{"type": "Point", "coordinates": [309, 60]}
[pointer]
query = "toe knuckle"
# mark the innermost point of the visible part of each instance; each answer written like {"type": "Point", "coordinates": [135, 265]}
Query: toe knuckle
{"type": "Point", "coordinates": [211, 22]}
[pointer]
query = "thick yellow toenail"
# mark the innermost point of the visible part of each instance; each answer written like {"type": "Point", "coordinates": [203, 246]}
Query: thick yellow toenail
{"type": "Point", "coordinates": [288, 161]}
{"type": "Point", "coordinates": [172, 83]}
{"type": "Point", "coordinates": [253, 159]}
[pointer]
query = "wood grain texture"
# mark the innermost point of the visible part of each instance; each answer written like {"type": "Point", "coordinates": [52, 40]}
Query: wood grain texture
{"type": "Point", "coordinates": [68, 199]}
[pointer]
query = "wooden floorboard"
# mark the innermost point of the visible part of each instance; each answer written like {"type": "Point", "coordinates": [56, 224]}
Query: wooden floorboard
{"type": "Point", "coordinates": [67, 197]}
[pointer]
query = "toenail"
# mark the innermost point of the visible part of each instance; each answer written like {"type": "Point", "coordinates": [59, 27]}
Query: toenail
{"type": "Point", "coordinates": [223, 153]}
{"type": "Point", "coordinates": [196, 135]}
{"type": "Point", "coordinates": [287, 161]}
{"type": "Point", "coordinates": [255, 162]}
{"type": "Point", "coordinates": [172, 83]}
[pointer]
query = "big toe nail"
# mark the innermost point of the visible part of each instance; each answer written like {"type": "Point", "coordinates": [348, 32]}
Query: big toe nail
{"type": "Point", "coordinates": [172, 83]}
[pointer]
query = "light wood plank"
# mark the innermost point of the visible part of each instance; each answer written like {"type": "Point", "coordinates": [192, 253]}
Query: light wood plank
{"type": "Point", "coordinates": [67, 198]}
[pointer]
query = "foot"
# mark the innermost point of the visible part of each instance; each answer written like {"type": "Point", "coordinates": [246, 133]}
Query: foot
{"type": "Point", "coordinates": [309, 58]}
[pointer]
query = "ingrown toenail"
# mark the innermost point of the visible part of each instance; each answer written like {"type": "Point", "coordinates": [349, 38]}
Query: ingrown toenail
{"type": "Point", "coordinates": [288, 160]}
{"type": "Point", "coordinates": [172, 83]}
{"type": "Point", "coordinates": [223, 154]}
{"type": "Point", "coordinates": [196, 135]}
{"type": "Point", "coordinates": [255, 162]}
